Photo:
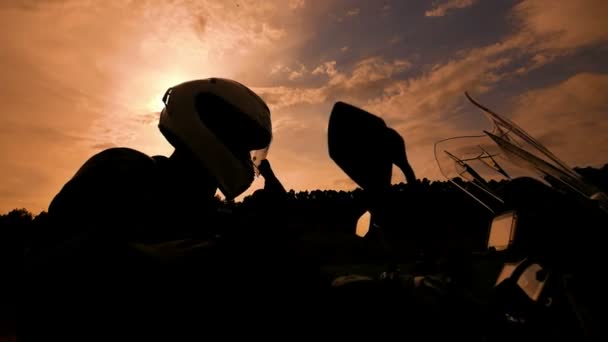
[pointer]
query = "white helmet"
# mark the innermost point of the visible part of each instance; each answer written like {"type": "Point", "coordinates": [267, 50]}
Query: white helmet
{"type": "Point", "coordinates": [225, 124]}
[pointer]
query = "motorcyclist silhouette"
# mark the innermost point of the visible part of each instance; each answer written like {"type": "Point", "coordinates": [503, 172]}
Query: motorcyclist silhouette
{"type": "Point", "coordinates": [138, 234]}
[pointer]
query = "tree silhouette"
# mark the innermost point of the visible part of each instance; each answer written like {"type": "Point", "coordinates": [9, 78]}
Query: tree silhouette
{"type": "Point", "coordinates": [433, 216]}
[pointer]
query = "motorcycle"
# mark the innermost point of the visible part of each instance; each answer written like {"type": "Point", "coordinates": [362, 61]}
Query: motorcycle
{"type": "Point", "coordinates": [537, 276]}
{"type": "Point", "coordinates": [520, 285]}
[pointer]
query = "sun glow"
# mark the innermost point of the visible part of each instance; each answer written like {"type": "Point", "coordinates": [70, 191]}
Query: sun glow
{"type": "Point", "coordinates": [158, 88]}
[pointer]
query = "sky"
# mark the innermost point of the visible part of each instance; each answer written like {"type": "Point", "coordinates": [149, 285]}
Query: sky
{"type": "Point", "coordinates": [79, 76]}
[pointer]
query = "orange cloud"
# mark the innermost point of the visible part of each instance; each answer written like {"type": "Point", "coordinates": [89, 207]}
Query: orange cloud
{"type": "Point", "coordinates": [82, 75]}
{"type": "Point", "coordinates": [295, 4]}
{"type": "Point", "coordinates": [369, 70]}
{"type": "Point", "coordinates": [280, 97]}
{"type": "Point", "coordinates": [564, 24]}
{"type": "Point", "coordinates": [353, 12]}
{"type": "Point", "coordinates": [96, 70]}
{"type": "Point", "coordinates": [428, 107]}
{"type": "Point", "coordinates": [367, 76]}
{"type": "Point", "coordinates": [328, 68]}
{"type": "Point", "coordinates": [441, 9]}
{"type": "Point", "coordinates": [293, 73]}
{"type": "Point", "coordinates": [570, 118]}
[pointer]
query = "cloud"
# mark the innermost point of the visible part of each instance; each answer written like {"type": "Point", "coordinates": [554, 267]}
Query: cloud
{"type": "Point", "coordinates": [442, 86]}
{"type": "Point", "coordinates": [83, 77]}
{"type": "Point", "coordinates": [395, 39]}
{"type": "Point", "coordinates": [147, 119]}
{"type": "Point", "coordinates": [292, 73]}
{"type": "Point", "coordinates": [441, 9]}
{"type": "Point", "coordinates": [278, 68]}
{"type": "Point", "coordinates": [243, 36]}
{"type": "Point", "coordinates": [299, 73]}
{"type": "Point", "coordinates": [570, 118]}
{"type": "Point", "coordinates": [365, 71]}
{"type": "Point", "coordinates": [327, 68]}
{"type": "Point", "coordinates": [367, 77]}
{"type": "Point", "coordinates": [282, 96]}
{"type": "Point", "coordinates": [36, 5]}
{"type": "Point", "coordinates": [564, 24]}
{"type": "Point", "coordinates": [39, 131]}
{"type": "Point", "coordinates": [430, 106]}
{"type": "Point", "coordinates": [368, 71]}
{"type": "Point", "coordinates": [296, 4]}
{"type": "Point", "coordinates": [35, 161]}
{"type": "Point", "coordinates": [353, 12]}
{"type": "Point", "coordinates": [539, 60]}
{"type": "Point", "coordinates": [98, 84]}
{"type": "Point", "coordinates": [103, 146]}
{"type": "Point", "coordinates": [423, 109]}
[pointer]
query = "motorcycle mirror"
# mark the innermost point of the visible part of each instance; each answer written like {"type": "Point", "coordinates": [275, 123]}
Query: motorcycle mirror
{"type": "Point", "coordinates": [502, 231]}
{"type": "Point", "coordinates": [363, 224]}
{"type": "Point", "coordinates": [358, 144]}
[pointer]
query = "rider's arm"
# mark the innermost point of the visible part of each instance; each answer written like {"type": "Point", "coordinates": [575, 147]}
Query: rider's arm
{"type": "Point", "coordinates": [399, 156]}
{"type": "Point", "coordinates": [271, 182]}
{"type": "Point", "coordinates": [112, 189]}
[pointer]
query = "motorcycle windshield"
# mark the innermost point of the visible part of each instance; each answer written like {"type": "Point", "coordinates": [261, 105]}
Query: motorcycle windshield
{"type": "Point", "coordinates": [506, 151]}
{"type": "Point", "coordinates": [475, 165]}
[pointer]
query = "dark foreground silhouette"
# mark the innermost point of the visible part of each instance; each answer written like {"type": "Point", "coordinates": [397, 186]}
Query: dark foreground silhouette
{"type": "Point", "coordinates": [323, 217]}
{"type": "Point", "coordinates": [138, 246]}
{"type": "Point", "coordinates": [331, 211]}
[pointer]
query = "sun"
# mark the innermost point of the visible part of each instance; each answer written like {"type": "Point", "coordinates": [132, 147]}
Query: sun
{"type": "Point", "coordinates": [157, 88]}
{"type": "Point", "coordinates": [155, 104]}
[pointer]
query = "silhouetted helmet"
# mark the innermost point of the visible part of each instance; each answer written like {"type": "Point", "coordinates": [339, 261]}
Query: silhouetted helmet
{"type": "Point", "coordinates": [223, 123]}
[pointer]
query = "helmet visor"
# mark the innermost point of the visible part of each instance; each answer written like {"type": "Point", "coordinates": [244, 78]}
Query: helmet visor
{"type": "Point", "coordinates": [245, 137]}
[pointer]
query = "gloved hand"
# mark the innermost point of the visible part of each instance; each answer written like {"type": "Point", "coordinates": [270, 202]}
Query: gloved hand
{"type": "Point", "coordinates": [272, 183]}
{"type": "Point", "coordinates": [264, 168]}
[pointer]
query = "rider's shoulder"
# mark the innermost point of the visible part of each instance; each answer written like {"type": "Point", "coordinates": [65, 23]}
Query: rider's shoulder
{"type": "Point", "coordinates": [115, 160]}
{"type": "Point", "coordinates": [109, 176]}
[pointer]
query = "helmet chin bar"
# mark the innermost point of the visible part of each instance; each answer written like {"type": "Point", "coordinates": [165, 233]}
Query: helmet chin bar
{"type": "Point", "coordinates": [232, 175]}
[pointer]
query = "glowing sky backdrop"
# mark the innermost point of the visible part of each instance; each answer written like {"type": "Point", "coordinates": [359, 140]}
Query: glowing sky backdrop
{"type": "Point", "coordinates": [79, 76]}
